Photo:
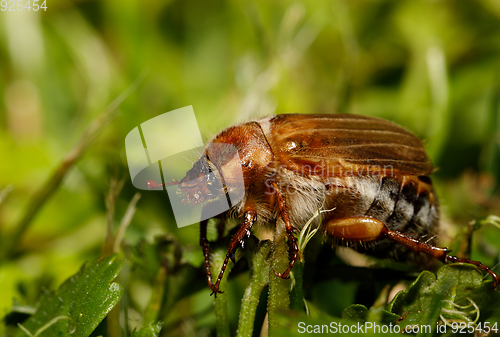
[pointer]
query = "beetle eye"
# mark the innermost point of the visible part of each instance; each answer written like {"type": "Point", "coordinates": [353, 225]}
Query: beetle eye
{"type": "Point", "coordinates": [210, 178]}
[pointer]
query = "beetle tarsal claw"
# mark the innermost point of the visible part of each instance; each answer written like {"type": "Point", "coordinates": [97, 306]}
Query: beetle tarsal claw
{"type": "Point", "coordinates": [284, 275]}
{"type": "Point", "coordinates": [215, 292]}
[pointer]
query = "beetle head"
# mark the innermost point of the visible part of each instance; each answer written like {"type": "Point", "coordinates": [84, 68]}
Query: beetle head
{"type": "Point", "coordinates": [233, 159]}
{"type": "Point", "coordinates": [217, 172]}
{"type": "Point", "coordinates": [202, 182]}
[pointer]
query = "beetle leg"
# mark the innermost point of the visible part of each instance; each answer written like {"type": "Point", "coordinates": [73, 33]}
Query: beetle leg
{"type": "Point", "coordinates": [290, 230]}
{"type": "Point", "coordinates": [366, 229]}
{"type": "Point", "coordinates": [438, 253]}
{"type": "Point", "coordinates": [205, 246]}
{"type": "Point", "coordinates": [206, 250]}
{"type": "Point", "coordinates": [243, 232]}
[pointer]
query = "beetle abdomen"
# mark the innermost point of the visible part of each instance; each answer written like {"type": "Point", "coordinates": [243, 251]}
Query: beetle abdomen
{"type": "Point", "coordinates": [405, 204]}
{"type": "Point", "coordinates": [412, 213]}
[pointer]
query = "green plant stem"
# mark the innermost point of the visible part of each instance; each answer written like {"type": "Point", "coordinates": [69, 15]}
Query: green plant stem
{"type": "Point", "coordinates": [153, 310]}
{"type": "Point", "coordinates": [279, 289]}
{"type": "Point", "coordinates": [111, 244]}
{"type": "Point", "coordinates": [297, 293]}
{"type": "Point", "coordinates": [114, 191]}
{"type": "Point", "coordinates": [127, 218]}
{"type": "Point", "coordinates": [52, 184]}
{"type": "Point", "coordinates": [113, 322]}
{"type": "Point", "coordinates": [250, 301]}
{"type": "Point", "coordinates": [220, 302]}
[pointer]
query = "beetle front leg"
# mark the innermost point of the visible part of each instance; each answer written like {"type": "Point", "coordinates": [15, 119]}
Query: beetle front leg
{"type": "Point", "coordinates": [366, 229]}
{"type": "Point", "coordinates": [290, 230]}
{"type": "Point", "coordinates": [205, 246]}
{"type": "Point", "coordinates": [206, 250]}
{"type": "Point", "coordinates": [243, 232]}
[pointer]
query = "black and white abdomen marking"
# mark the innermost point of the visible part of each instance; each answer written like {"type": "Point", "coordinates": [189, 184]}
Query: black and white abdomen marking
{"type": "Point", "coordinates": [401, 207]}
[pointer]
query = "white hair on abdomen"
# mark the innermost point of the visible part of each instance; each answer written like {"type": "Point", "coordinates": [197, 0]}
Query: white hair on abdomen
{"type": "Point", "coordinates": [304, 196]}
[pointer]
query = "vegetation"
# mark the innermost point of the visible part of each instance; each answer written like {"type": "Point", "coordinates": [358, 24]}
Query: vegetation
{"type": "Point", "coordinates": [82, 253]}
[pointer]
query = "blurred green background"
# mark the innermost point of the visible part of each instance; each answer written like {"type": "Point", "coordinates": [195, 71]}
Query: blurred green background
{"type": "Point", "coordinates": [431, 66]}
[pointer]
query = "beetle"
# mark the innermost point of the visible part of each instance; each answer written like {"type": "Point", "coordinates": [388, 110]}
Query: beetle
{"type": "Point", "coordinates": [373, 173]}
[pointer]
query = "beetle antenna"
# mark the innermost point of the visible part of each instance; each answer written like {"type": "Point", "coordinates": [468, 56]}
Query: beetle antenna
{"type": "Point", "coordinates": [151, 184]}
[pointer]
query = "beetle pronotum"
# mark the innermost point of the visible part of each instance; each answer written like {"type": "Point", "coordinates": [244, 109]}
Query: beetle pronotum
{"type": "Point", "coordinates": [372, 172]}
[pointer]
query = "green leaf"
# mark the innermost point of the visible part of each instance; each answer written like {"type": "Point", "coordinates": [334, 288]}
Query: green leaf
{"type": "Point", "coordinates": [355, 313]}
{"type": "Point", "coordinates": [380, 315]}
{"type": "Point", "coordinates": [153, 330]}
{"type": "Point", "coordinates": [359, 313]}
{"type": "Point", "coordinates": [429, 299]}
{"type": "Point", "coordinates": [79, 304]}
